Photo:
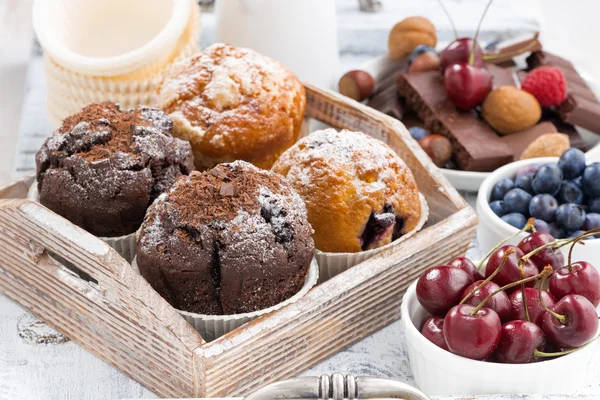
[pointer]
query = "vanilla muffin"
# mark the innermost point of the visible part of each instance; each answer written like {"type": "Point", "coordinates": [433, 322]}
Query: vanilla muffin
{"type": "Point", "coordinates": [233, 104]}
{"type": "Point", "coordinates": [359, 194]}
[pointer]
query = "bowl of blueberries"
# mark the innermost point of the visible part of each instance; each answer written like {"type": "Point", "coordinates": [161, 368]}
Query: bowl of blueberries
{"type": "Point", "coordinates": [562, 194]}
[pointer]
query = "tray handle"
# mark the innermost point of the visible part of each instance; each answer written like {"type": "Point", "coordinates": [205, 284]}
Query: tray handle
{"type": "Point", "coordinates": [338, 386]}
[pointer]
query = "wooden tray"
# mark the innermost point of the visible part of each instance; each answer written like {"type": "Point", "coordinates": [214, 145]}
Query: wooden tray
{"type": "Point", "coordinates": [95, 298]}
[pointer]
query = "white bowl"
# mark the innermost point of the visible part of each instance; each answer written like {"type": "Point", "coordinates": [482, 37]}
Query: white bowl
{"type": "Point", "coordinates": [492, 229]}
{"type": "Point", "coordinates": [108, 37]}
{"type": "Point", "coordinates": [439, 372]}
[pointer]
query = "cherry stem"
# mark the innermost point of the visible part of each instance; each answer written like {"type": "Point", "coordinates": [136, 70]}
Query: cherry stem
{"type": "Point", "coordinates": [472, 56]}
{"type": "Point", "coordinates": [591, 232]}
{"type": "Point", "coordinates": [489, 278]}
{"type": "Point", "coordinates": [546, 272]}
{"type": "Point", "coordinates": [524, 49]}
{"type": "Point", "coordinates": [449, 18]}
{"type": "Point", "coordinates": [538, 353]}
{"type": "Point", "coordinates": [561, 318]}
{"type": "Point", "coordinates": [528, 227]}
{"type": "Point", "coordinates": [525, 302]}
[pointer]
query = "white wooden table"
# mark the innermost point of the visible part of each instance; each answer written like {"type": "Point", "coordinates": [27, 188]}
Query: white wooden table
{"type": "Point", "coordinates": [36, 362]}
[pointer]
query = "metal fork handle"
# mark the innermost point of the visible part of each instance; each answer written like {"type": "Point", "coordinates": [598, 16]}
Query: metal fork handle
{"type": "Point", "coordinates": [338, 386]}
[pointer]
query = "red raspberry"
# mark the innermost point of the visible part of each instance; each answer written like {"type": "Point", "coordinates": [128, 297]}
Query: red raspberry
{"type": "Point", "coordinates": [547, 85]}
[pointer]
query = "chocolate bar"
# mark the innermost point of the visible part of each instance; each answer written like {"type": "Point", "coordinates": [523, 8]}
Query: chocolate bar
{"type": "Point", "coordinates": [519, 141]}
{"type": "Point", "coordinates": [581, 107]}
{"type": "Point", "coordinates": [477, 147]}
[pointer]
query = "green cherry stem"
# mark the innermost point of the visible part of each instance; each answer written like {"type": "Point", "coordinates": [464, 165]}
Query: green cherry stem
{"type": "Point", "coordinates": [562, 353]}
{"type": "Point", "coordinates": [524, 49]}
{"type": "Point", "coordinates": [449, 18]}
{"type": "Point", "coordinates": [576, 240]}
{"type": "Point", "coordinates": [525, 301]}
{"type": "Point", "coordinates": [561, 318]}
{"type": "Point", "coordinates": [527, 228]}
{"type": "Point", "coordinates": [489, 278]}
{"type": "Point", "coordinates": [472, 55]}
{"type": "Point", "coordinates": [546, 272]}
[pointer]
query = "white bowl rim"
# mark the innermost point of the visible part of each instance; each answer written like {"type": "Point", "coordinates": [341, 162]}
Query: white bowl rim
{"type": "Point", "coordinates": [409, 325]}
{"type": "Point", "coordinates": [483, 205]}
{"type": "Point", "coordinates": [119, 64]}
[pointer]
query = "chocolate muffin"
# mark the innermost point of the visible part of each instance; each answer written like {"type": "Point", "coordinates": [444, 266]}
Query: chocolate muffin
{"type": "Point", "coordinates": [231, 240]}
{"type": "Point", "coordinates": [359, 193]}
{"type": "Point", "coordinates": [103, 167]}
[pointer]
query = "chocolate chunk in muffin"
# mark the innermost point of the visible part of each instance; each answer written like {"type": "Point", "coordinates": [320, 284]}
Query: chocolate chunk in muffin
{"type": "Point", "coordinates": [103, 167]}
{"type": "Point", "coordinates": [231, 240]}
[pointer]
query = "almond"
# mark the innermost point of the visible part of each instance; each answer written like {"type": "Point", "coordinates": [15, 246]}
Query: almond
{"type": "Point", "coordinates": [407, 34]}
{"type": "Point", "coordinates": [547, 145]}
{"type": "Point", "coordinates": [509, 109]}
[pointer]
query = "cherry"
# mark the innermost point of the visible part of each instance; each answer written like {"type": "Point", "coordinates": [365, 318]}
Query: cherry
{"type": "Point", "coordinates": [534, 308]}
{"type": "Point", "coordinates": [511, 272]}
{"type": "Point", "coordinates": [459, 51]}
{"type": "Point", "coordinates": [466, 85]}
{"type": "Point", "coordinates": [433, 330]}
{"type": "Point", "coordinates": [546, 256]}
{"type": "Point", "coordinates": [576, 278]}
{"type": "Point", "coordinates": [439, 288]}
{"type": "Point", "coordinates": [518, 342]}
{"type": "Point", "coordinates": [571, 323]}
{"type": "Point", "coordinates": [471, 332]}
{"type": "Point", "coordinates": [467, 265]}
{"type": "Point", "coordinates": [498, 302]}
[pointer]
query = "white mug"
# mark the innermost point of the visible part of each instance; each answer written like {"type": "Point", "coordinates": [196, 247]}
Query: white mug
{"type": "Point", "coordinates": [300, 34]}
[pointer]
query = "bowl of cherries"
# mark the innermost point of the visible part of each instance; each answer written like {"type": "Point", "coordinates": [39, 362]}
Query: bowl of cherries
{"type": "Point", "coordinates": [523, 320]}
{"type": "Point", "coordinates": [562, 194]}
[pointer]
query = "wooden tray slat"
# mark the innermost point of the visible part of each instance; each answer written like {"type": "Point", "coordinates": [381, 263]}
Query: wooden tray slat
{"type": "Point", "coordinates": [94, 297]}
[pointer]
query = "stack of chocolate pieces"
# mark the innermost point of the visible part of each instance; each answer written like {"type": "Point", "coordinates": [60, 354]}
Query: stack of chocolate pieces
{"type": "Point", "coordinates": [477, 147]}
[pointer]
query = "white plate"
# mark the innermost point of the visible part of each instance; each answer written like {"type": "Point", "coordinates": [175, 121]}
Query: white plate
{"type": "Point", "coordinates": [471, 181]}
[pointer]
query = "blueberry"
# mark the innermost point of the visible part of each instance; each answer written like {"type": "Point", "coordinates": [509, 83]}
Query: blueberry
{"type": "Point", "coordinates": [591, 179]}
{"type": "Point", "coordinates": [420, 49]}
{"type": "Point", "coordinates": [570, 192]}
{"type": "Point", "coordinates": [517, 201]}
{"type": "Point", "coordinates": [526, 170]}
{"type": "Point", "coordinates": [594, 205]}
{"type": "Point", "coordinates": [570, 217]}
{"type": "Point", "coordinates": [524, 182]}
{"type": "Point", "coordinates": [417, 132]}
{"type": "Point", "coordinates": [493, 44]}
{"type": "Point", "coordinates": [556, 231]}
{"type": "Point", "coordinates": [498, 208]}
{"type": "Point", "coordinates": [572, 163]}
{"type": "Point", "coordinates": [515, 219]}
{"type": "Point", "coordinates": [592, 221]}
{"type": "Point", "coordinates": [541, 226]}
{"type": "Point", "coordinates": [547, 179]}
{"type": "Point", "coordinates": [543, 206]}
{"type": "Point", "coordinates": [501, 188]}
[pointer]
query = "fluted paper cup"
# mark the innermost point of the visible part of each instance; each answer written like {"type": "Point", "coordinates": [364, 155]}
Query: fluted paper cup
{"type": "Point", "coordinates": [332, 264]}
{"type": "Point", "coordinates": [211, 327]}
{"type": "Point", "coordinates": [125, 245]}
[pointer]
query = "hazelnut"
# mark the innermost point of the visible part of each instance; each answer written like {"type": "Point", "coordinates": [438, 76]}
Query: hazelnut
{"type": "Point", "coordinates": [356, 84]}
{"type": "Point", "coordinates": [547, 145]}
{"type": "Point", "coordinates": [407, 34]}
{"type": "Point", "coordinates": [428, 61]}
{"type": "Point", "coordinates": [509, 109]}
{"type": "Point", "coordinates": [438, 148]}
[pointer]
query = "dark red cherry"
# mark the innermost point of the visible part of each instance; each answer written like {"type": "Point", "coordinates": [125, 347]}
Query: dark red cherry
{"type": "Point", "coordinates": [472, 336]}
{"type": "Point", "coordinates": [582, 278]}
{"type": "Point", "coordinates": [498, 302]}
{"type": "Point", "coordinates": [467, 265]}
{"type": "Point", "coordinates": [518, 342]}
{"type": "Point", "coordinates": [534, 307]}
{"type": "Point", "coordinates": [546, 256]}
{"type": "Point", "coordinates": [578, 322]}
{"type": "Point", "coordinates": [458, 52]}
{"type": "Point", "coordinates": [433, 330]}
{"type": "Point", "coordinates": [466, 85]}
{"type": "Point", "coordinates": [439, 288]}
{"type": "Point", "coordinates": [510, 272]}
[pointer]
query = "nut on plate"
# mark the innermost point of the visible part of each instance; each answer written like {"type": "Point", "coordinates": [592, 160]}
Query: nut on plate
{"type": "Point", "coordinates": [438, 148]}
{"type": "Point", "coordinates": [547, 145]}
{"type": "Point", "coordinates": [509, 109]}
{"type": "Point", "coordinates": [407, 34]}
{"type": "Point", "coordinates": [356, 84]}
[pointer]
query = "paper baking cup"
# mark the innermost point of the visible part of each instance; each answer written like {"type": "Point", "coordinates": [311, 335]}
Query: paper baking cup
{"type": "Point", "coordinates": [332, 264]}
{"type": "Point", "coordinates": [125, 245]}
{"type": "Point", "coordinates": [211, 327]}
{"type": "Point", "coordinates": [74, 32]}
